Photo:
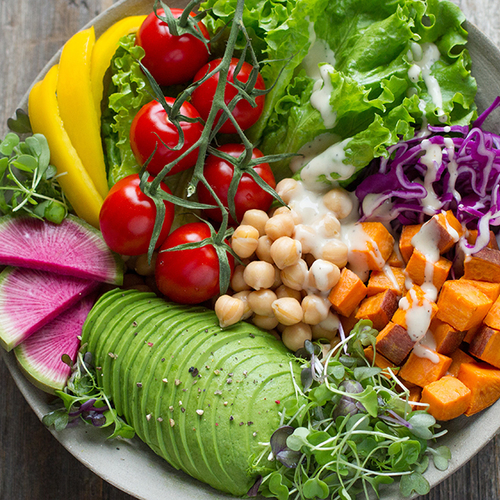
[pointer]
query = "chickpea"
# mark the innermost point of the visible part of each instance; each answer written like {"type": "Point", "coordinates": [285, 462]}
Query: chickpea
{"type": "Point", "coordinates": [259, 275]}
{"type": "Point", "coordinates": [130, 262]}
{"type": "Point", "coordinates": [261, 302]}
{"type": "Point", "coordinates": [275, 334]}
{"type": "Point", "coordinates": [287, 188]}
{"type": "Point", "coordinates": [285, 252]}
{"type": "Point", "coordinates": [284, 291]}
{"type": "Point", "coordinates": [245, 241]}
{"type": "Point", "coordinates": [338, 201]}
{"type": "Point", "coordinates": [323, 275]}
{"type": "Point", "coordinates": [277, 278]}
{"type": "Point", "coordinates": [334, 251]}
{"type": "Point", "coordinates": [297, 219]}
{"type": "Point", "coordinates": [263, 251]}
{"type": "Point", "coordinates": [238, 283]}
{"type": "Point", "coordinates": [143, 267]}
{"type": "Point", "coordinates": [295, 336]}
{"type": "Point", "coordinates": [280, 225]}
{"type": "Point", "coordinates": [315, 309]}
{"type": "Point", "coordinates": [327, 329]}
{"type": "Point", "coordinates": [295, 276]}
{"type": "Point", "coordinates": [318, 332]}
{"type": "Point", "coordinates": [228, 310]}
{"type": "Point", "coordinates": [288, 311]}
{"type": "Point", "coordinates": [329, 226]}
{"type": "Point", "coordinates": [306, 235]}
{"type": "Point", "coordinates": [257, 219]}
{"type": "Point", "coordinates": [265, 322]}
{"type": "Point", "coordinates": [243, 296]}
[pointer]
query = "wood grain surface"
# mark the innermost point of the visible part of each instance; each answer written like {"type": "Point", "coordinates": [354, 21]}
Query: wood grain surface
{"type": "Point", "coordinates": [33, 465]}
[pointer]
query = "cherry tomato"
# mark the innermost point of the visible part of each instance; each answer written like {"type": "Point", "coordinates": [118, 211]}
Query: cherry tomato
{"type": "Point", "coordinates": [171, 59]}
{"type": "Point", "coordinates": [189, 276]}
{"type": "Point", "coordinates": [249, 194]}
{"type": "Point", "coordinates": [243, 112]}
{"type": "Point", "coordinates": [127, 217]}
{"type": "Point", "coordinates": [152, 124]}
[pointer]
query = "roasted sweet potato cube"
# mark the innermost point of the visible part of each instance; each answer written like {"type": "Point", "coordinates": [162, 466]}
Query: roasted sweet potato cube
{"type": "Point", "coordinates": [462, 305]}
{"type": "Point", "coordinates": [419, 307]}
{"type": "Point", "coordinates": [395, 259]}
{"type": "Point", "coordinates": [484, 382]}
{"type": "Point", "coordinates": [423, 371]}
{"type": "Point", "coordinates": [414, 397]}
{"type": "Point", "coordinates": [390, 278]}
{"type": "Point", "coordinates": [394, 343]}
{"type": "Point", "coordinates": [471, 238]}
{"type": "Point", "coordinates": [405, 246]}
{"type": "Point", "coordinates": [347, 293]}
{"type": "Point", "coordinates": [447, 338]}
{"type": "Point", "coordinates": [483, 266]}
{"type": "Point", "coordinates": [374, 245]}
{"type": "Point", "coordinates": [443, 229]}
{"type": "Point", "coordinates": [447, 398]}
{"type": "Point", "coordinates": [420, 271]}
{"type": "Point", "coordinates": [380, 361]}
{"type": "Point", "coordinates": [379, 308]}
{"type": "Point", "coordinates": [493, 317]}
{"type": "Point", "coordinates": [486, 345]}
{"type": "Point", "coordinates": [491, 290]}
{"type": "Point", "coordinates": [458, 357]}
{"type": "Point", "coordinates": [471, 332]}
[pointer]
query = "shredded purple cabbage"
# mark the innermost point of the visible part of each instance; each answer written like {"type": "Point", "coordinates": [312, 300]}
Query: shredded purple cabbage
{"type": "Point", "coordinates": [448, 168]}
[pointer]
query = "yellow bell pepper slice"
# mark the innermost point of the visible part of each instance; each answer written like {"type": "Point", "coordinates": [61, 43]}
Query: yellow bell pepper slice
{"type": "Point", "coordinates": [104, 50]}
{"type": "Point", "coordinates": [76, 106]}
{"type": "Point", "coordinates": [74, 179]}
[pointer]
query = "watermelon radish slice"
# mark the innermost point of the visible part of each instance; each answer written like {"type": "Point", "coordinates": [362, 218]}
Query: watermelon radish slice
{"type": "Point", "coordinates": [39, 356]}
{"type": "Point", "coordinates": [29, 299]}
{"type": "Point", "coordinates": [72, 248]}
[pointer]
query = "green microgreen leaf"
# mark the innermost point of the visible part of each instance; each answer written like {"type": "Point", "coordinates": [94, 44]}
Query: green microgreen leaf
{"type": "Point", "coordinates": [83, 399]}
{"type": "Point", "coordinates": [21, 124]}
{"type": "Point", "coordinates": [414, 483]}
{"type": "Point", "coordinates": [28, 183]}
{"type": "Point", "coordinates": [441, 456]}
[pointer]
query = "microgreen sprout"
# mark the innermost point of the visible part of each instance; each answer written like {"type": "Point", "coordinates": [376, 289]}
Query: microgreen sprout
{"type": "Point", "coordinates": [85, 401]}
{"type": "Point", "coordinates": [349, 431]}
{"type": "Point", "coordinates": [28, 182]}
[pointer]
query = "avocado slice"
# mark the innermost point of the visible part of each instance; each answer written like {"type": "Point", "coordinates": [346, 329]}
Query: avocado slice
{"type": "Point", "coordinates": [224, 388]}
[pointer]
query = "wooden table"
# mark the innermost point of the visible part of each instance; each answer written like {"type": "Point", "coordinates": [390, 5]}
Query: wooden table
{"type": "Point", "coordinates": [32, 463]}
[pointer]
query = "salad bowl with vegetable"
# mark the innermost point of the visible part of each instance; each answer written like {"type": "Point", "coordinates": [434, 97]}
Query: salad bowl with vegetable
{"type": "Point", "coordinates": [317, 440]}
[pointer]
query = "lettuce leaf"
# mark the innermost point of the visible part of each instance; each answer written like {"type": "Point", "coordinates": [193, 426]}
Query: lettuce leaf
{"type": "Point", "coordinates": [128, 92]}
{"type": "Point", "coordinates": [373, 99]}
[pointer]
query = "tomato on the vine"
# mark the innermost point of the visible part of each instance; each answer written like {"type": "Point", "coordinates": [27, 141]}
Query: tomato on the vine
{"type": "Point", "coordinates": [189, 276]}
{"type": "Point", "coordinates": [171, 59]}
{"type": "Point", "coordinates": [151, 128]}
{"type": "Point", "coordinates": [244, 114]}
{"type": "Point", "coordinates": [127, 217]}
{"type": "Point", "coordinates": [249, 194]}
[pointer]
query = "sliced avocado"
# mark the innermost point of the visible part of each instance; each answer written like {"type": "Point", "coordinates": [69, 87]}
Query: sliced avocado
{"type": "Point", "coordinates": [189, 422]}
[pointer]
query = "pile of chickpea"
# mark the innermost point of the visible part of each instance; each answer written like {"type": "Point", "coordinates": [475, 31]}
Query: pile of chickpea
{"type": "Point", "coordinates": [290, 264]}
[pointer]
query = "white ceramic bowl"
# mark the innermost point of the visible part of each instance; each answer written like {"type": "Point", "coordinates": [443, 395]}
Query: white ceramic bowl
{"type": "Point", "coordinates": [132, 466]}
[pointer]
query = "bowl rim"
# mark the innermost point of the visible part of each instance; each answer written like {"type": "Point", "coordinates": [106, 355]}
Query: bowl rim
{"type": "Point", "coordinates": [486, 423]}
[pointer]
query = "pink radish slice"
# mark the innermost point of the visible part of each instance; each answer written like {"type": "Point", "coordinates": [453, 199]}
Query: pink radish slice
{"type": "Point", "coordinates": [72, 248]}
{"type": "Point", "coordinates": [39, 356]}
{"type": "Point", "coordinates": [29, 299]}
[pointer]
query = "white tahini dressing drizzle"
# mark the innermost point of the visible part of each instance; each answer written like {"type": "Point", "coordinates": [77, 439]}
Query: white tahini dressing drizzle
{"type": "Point", "coordinates": [319, 52]}
{"type": "Point", "coordinates": [330, 161]}
{"type": "Point", "coordinates": [424, 56]}
{"type": "Point", "coordinates": [320, 97]}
